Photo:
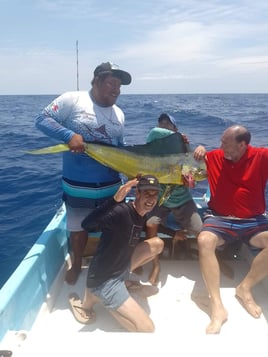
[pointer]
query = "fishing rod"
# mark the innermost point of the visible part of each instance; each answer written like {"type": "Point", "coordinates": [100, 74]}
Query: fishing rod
{"type": "Point", "coordinates": [77, 67]}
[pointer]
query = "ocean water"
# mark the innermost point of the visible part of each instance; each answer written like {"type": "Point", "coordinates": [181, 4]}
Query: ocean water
{"type": "Point", "coordinates": [30, 186]}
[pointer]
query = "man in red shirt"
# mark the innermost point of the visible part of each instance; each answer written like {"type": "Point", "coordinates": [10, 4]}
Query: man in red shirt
{"type": "Point", "coordinates": [237, 176]}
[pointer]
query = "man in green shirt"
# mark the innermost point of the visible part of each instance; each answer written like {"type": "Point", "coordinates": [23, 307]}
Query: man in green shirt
{"type": "Point", "coordinates": [179, 202]}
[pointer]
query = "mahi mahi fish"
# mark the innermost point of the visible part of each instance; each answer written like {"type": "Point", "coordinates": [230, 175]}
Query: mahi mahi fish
{"type": "Point", "coordinates": [137, 160]}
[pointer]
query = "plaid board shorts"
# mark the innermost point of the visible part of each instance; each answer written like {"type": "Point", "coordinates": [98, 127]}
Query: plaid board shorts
{"type": "Point", "coordinates": [233, 229]}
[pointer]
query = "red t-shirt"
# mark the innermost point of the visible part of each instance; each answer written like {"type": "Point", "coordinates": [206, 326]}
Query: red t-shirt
{"type": "Point", "coordinates": [238, 189]}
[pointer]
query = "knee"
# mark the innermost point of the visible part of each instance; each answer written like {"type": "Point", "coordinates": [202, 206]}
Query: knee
{"type": "Point", "coordinates": [206, 241]}
{"type": "Point", "coordinates": [155, 244]}
{"type": "Point", "coordinates": [201, 239]}
{"type": "Point", "coordinates": [159, 245]}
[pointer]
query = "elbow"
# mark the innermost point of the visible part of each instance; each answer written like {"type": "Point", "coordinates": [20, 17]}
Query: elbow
{"type": "Point", "coordinates": [38, 121]}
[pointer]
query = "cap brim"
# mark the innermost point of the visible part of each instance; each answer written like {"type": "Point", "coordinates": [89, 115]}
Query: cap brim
{"type": "Point", "coordinates": [148, 188]}
{"type": "Point", "coordinates": [124, 76]}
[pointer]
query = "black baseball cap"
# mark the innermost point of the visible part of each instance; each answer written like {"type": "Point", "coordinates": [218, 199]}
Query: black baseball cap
{"type": "Point", "coordinates": [164, 116]}
{"type": "Point", "coordinates": [148, 182]}
{"type": "Point", "coordinates": [108, 67]}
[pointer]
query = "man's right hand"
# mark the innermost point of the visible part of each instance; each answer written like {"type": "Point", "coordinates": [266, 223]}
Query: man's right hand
{"type": "Point", "coordinates": [125, 189]}
{"type": "Point", "coordinates": [76, 144]}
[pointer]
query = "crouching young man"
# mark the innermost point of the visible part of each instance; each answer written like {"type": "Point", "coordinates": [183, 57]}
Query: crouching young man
{"type": "Point", "coordinates": [119, 252]}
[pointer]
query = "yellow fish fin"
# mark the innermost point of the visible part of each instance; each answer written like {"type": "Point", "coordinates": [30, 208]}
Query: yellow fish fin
{"type": "Point", "coordinates": [50, 149]}
{"type": "Point", "coordinates": [166, 194]}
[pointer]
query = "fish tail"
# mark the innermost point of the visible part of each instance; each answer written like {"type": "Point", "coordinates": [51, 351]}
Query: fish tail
{"type": "Point", "coordinates": [49, 149]}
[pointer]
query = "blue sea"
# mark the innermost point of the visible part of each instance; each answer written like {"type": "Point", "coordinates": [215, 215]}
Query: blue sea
{"type": "Point", "coordinates": [30, 189]}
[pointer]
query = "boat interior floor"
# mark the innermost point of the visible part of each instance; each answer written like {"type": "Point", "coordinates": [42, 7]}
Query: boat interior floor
{"type": "Point", "coordinates": [179, 307]}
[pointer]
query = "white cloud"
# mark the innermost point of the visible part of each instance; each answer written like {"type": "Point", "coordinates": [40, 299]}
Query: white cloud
{"type": "Point", "coordinates": [171, 45]}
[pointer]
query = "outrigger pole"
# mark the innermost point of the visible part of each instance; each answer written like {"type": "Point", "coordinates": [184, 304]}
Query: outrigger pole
{"type": "Point", "coordinates": [77, 67]}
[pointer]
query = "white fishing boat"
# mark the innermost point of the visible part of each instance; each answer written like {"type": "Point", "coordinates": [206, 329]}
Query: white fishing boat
{"type": "Point", "coordinates": [36, 319]}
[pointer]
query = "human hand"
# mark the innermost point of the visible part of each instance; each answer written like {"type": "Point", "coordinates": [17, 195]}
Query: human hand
{"type": "Point", "coordinates": [185, 139]}
{"type": "Point", "coordinates": [124, 190]}
{"type": "Point", "coordinates": [188, 180]}
{"type": "Point", "coordinates": [179, 236]}
{"type": "Point", "coordinates": [76, 144]}
{"type": "Point", "coordinates": [200, 152]}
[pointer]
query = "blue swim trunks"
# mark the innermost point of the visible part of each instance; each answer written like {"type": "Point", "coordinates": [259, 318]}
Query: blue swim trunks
{"type": "Point", "coordinates": [113, 292]}
{"type": "Point", "coordinates": [232, 229]}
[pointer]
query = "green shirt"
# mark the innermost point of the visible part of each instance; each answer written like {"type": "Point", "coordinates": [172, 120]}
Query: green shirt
{"type": "Point", "coordinates": [180, 194]}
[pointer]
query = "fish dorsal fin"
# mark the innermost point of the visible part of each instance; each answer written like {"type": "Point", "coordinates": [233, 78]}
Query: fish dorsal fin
{"type": "Point", "coordinates": [171, 144]}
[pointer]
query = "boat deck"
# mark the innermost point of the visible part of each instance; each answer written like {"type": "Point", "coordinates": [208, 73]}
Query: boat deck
{"type": "Point", "coordinates": [178, 307]}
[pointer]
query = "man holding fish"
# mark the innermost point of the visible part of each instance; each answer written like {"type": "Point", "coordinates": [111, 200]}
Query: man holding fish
{"type": "Point", "coordinates": [75, 118]}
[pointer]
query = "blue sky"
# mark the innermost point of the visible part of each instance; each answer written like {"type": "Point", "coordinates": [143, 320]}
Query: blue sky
{"type": "Point", "coordinates": [168, 46]}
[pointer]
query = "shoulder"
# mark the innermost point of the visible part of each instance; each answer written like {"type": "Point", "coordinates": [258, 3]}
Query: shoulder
{"type": "Point", "coordinates": [158, 133]}
{"type": "Point", "coordinates": [72, 96]}
{"type": "Point", "coordinates": [121, 207]}
{"type": "Point", "coordinates": [215, 153]}
{"type": "Point", "coordinates": [255, 149]}
{"type": "Point", "coordinates": [118, 110]}
{"type": "Point", "coordinates": [263, 152]}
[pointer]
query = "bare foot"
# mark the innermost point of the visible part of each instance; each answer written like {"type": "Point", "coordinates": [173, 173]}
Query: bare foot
{"type": "Point", "coordinates": [216, 322]}
{"type": "Point", "coordinates": [133, 285]}
{"type": "Point", "coordinates": [246, 300]}
{"type": "Point", "coordinates": [72, 275]}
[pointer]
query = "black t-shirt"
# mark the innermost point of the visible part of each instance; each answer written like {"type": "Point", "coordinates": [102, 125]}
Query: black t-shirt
{"type": "Point", "coordinates": [121, 227]}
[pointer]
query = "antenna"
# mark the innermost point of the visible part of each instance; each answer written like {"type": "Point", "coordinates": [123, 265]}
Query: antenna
{"type": "Point", "coordinates": [77, 67]}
